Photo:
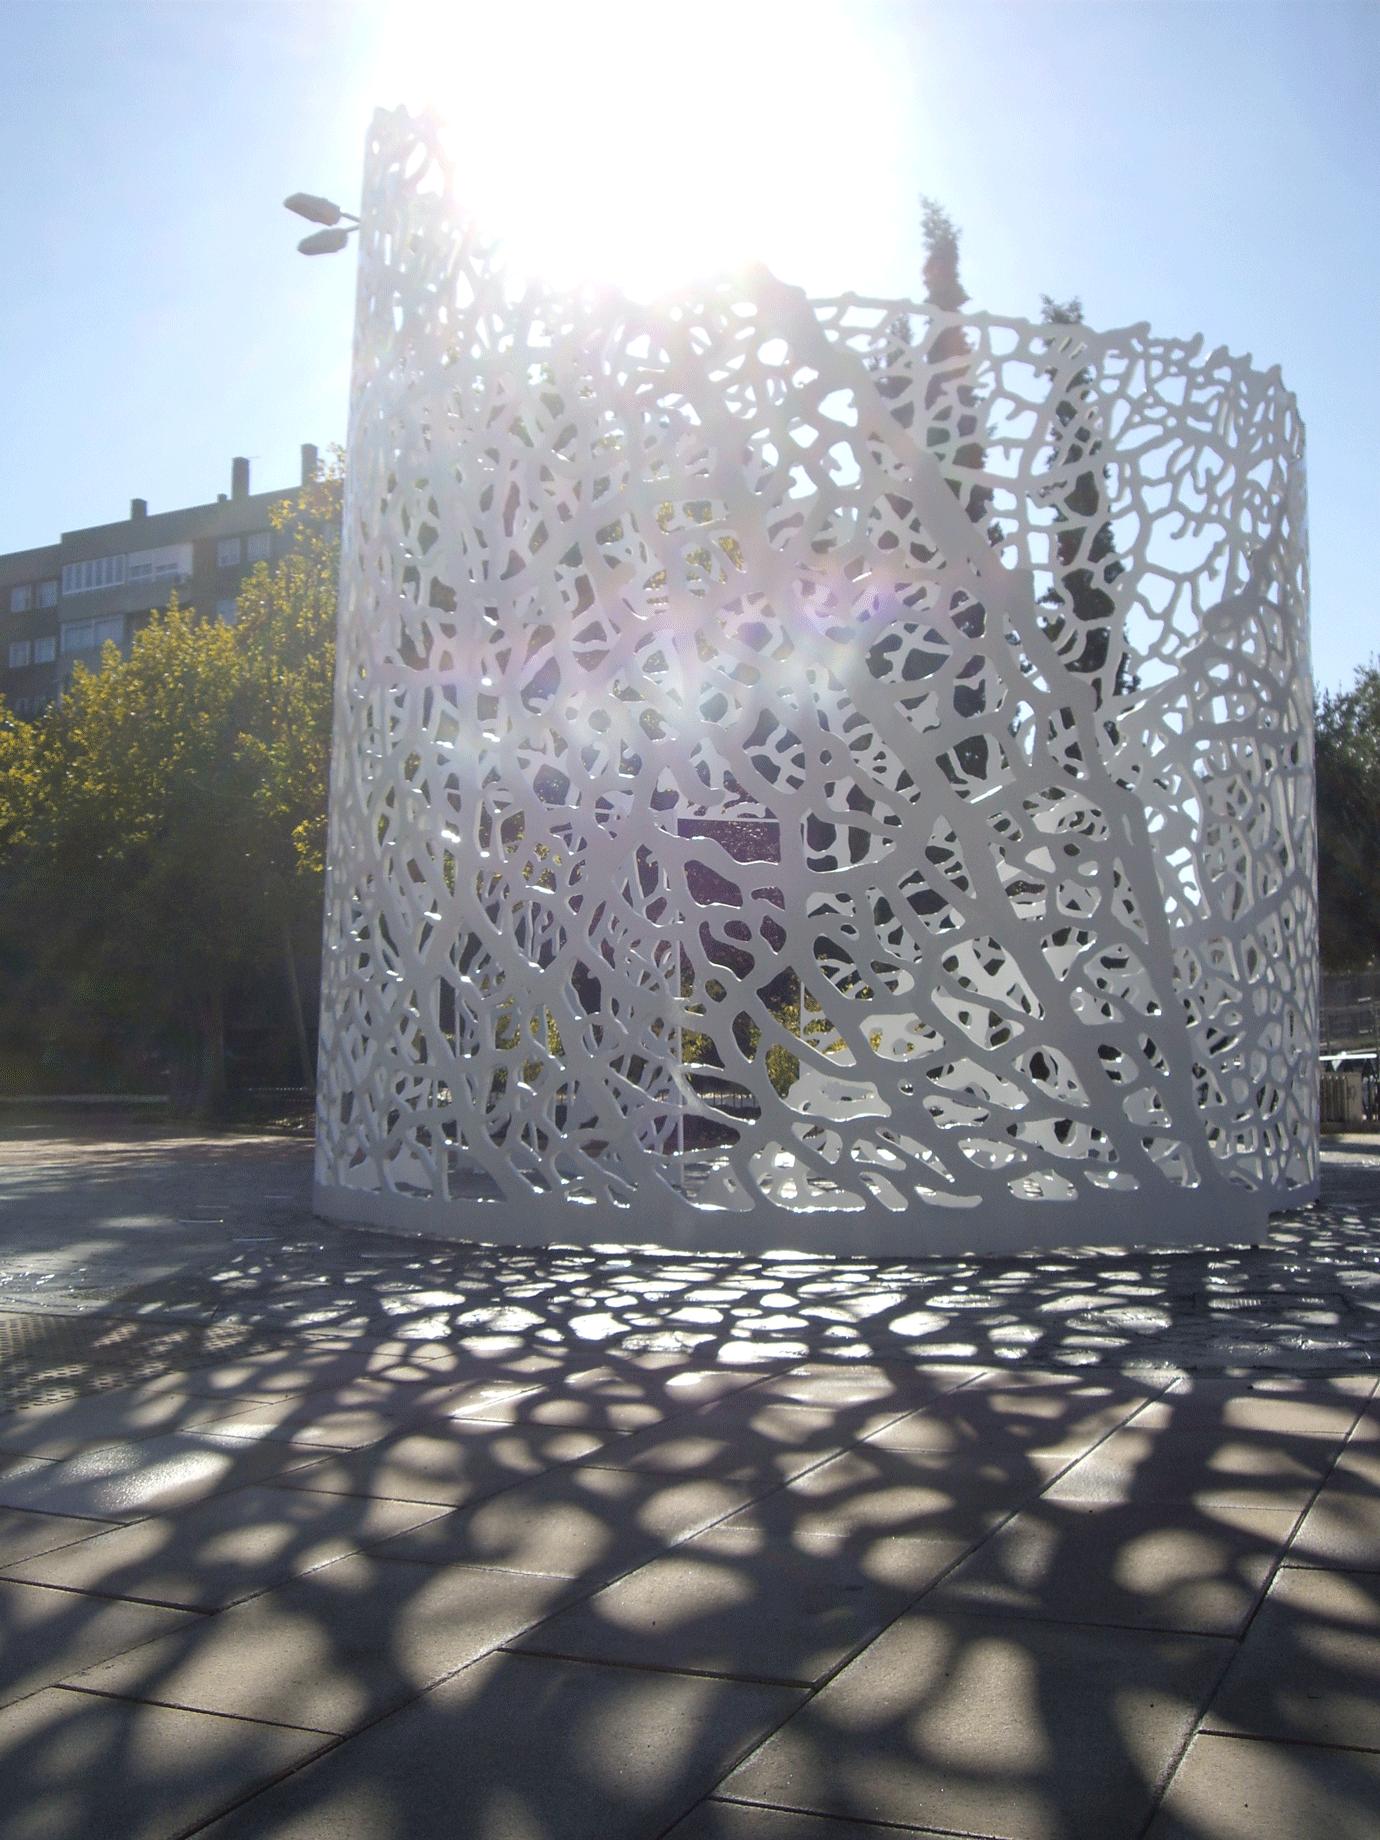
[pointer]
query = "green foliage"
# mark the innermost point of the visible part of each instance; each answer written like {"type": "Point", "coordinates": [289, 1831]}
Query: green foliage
{"type": "Point", "coordinates": [1062, 312]}
{"type": "Point", "coordinates": [18, 782]}
{"type": "Point", "coordinates": [1348, 764]}
{"type": "Point", "coordinates": [162, 829]}
{"type": "Point", "coordinates": [286, 634]}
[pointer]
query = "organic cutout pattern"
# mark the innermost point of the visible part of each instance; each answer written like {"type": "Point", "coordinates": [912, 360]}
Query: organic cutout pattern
{"type": "Point", "coordinates": [827, 773]}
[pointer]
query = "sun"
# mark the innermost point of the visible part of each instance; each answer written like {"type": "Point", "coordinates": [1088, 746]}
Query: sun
{"type": "Point", "coordinates": [644, 145]}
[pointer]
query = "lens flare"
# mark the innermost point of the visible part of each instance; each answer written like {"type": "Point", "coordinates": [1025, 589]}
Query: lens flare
{"type": "Point", "coordinates": [644, 145]}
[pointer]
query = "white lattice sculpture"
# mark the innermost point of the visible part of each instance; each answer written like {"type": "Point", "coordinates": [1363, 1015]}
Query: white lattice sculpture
{"type": "Point", "coordinates": [828, 774]}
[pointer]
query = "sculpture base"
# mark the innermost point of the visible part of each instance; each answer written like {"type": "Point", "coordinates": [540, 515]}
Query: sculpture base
{"type": "Point", "coordinates": [1126, 1221]}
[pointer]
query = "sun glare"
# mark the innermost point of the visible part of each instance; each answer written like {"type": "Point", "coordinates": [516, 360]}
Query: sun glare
{"type": "Point", "coordinates": [645, 144]}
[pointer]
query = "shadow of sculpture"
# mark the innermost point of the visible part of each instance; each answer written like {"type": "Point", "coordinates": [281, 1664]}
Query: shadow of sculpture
{"type": "Point", "coordinates": [450, 1539]}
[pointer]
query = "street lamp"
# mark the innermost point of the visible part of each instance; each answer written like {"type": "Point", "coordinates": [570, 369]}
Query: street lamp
{"type": "Point", "coordinates": [321, 211]}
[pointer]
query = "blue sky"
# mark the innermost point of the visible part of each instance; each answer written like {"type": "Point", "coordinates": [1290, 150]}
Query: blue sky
{"type": "Point", "coordinates": [1206, 167]}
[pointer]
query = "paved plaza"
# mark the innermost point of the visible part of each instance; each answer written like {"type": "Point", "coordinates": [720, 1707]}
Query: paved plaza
{"type": "Point", "coordinates": [313, 1532]}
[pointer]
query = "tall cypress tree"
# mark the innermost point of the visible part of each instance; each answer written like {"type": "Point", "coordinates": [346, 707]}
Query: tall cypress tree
{"type": "Point", "coordinates": [1084, 574]}
{"type": "Point", "coordinates": [950, 355]}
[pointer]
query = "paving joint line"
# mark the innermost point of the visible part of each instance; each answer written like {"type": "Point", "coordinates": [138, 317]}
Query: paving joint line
{"type": "Point", "coordinates": [859, 1821]}
{"type": "Point", "coordinates": [175, 1705]}
{"type": "Point", "coordinates": [1302, 1744]}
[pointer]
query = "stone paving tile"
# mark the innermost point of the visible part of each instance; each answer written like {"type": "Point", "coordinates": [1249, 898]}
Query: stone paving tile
{"type": "Point", "coordinates": [761, 1440]}
{"type": "Point", "coordinates": [1314, 1403]}
{"type": "Point", "coordinates": [1161, 1565]}
{"type": "Point", "coordinates": [1309, 1666]}
{"type": "Point", "coordinates": [122, 1415]}
{"type": "Point", "coordinates": [1023, 1730]}
{"type": "Point", "coordinates": [867, 1492]}
{"type": "Point", "coordinates": [299, 1366]}
{"type": "Point", "coordinates": [45, 1634]}
{"type": "Point", "coordinates": [74, 1767]}
{"type": "Point", "coordinates": [614, 1400]}
{"type": "Point", "coordinates": [125, 1481]}
{"type": "Point", "coordinates": [1342, 1527]}
{"type": "Point", "coordinates": [1024, 1426]}
{"type": "Point", "coordinates": [446, 1462]}
{"type": "Point", "coordinates": [883, 1387]}
{"type": "Point", "coordinates": [582, 1523]}
{"type": "Point", "coordinates": [1241, 1789]}
{"type": "Point", "coordinates": [734, 1602]}
{"type": "Point", "coordinates": [27, 1531]}
{"type": "Point", "coordinates": [860, 1402]}
{"type": "Point", "coordinates": [334, 1649]}
{"type": "Point", "coordinates": [219, 1551]}
{"type": "Point", "coordinates": [408, 1392]}
{"type": "Point", "coordinates": [359, 1413]}
{"type": "Point", "coordinates": [293, 1367]}
{"type": "Point", "coordinates": [1151, 1461]}
{"type": "Point", "coordinates": [1357, 1468]}
{"type": "Point", "coordinates": [310, 1425]}
{"type": "Point", "coordinates": [602, 1402]}
{"type": "Point", "coordinates": [518, 1746]}
{"type": "Point", "coordinates": [1338, 1417]}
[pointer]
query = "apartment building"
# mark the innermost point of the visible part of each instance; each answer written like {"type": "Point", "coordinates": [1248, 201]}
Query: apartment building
{"type": "Point", "coordinates": [65, 601]}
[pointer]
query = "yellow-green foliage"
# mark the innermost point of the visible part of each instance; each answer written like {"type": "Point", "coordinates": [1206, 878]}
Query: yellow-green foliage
{"type": "Point", "coordinates": [162, 826]}
{"type": "Point", "coordinates": [18, 780]}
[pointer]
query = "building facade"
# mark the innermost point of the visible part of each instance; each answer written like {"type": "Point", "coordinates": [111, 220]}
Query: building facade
{"type": "Point", "coordinates": [60, 604]}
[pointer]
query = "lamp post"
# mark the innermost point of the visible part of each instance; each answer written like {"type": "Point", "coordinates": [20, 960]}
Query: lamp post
{"type": "Point", "coordinates": [321, 211]}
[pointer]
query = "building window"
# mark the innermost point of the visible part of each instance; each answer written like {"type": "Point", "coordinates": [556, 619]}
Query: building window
{"type": "Point", "coordinates": [21, 599]}
{"type": "Point", "coordinates": [100, 572]}
{"type": "Point", "coordinates": [171, 564]}
{"type": "Point", "coordinates": [260, 546]}
{"type": "Point", "coordinates": [90, 635]}
{"type": "Point", "coordinates": [45, 649]}
{"type": "Point", "coordinates": [228, 611]}
{"type": "Point", "coordinates": [47, 594]}
{"type": "Point", "coordinates": [227, 552]}
{"type": "Point", "coordinates": [19, 654]}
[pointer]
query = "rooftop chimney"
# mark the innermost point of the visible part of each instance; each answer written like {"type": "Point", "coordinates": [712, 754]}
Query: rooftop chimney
{"type": "Point", "coordinates": [308, 462]}
{"type": "Point", "coordinates": [239, 477]}
{"type": "Point", "coordinates": [138, 508]}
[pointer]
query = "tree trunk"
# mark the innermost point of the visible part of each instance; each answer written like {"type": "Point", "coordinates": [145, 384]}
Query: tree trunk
{"type": "Point", "coordinates": [210, 1015]}
{"type": "Point", "coordinates": [308, 1074]}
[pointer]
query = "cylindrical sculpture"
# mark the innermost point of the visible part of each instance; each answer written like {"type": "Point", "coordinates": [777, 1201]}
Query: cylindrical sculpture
{"type": "Point", "coordinates": [829, 774]}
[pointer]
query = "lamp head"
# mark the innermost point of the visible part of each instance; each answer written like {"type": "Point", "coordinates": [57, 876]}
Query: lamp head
{"type": "Point", "coordinates": [315, 210]}
{"type": "Point", "coordinates": [323, 242]}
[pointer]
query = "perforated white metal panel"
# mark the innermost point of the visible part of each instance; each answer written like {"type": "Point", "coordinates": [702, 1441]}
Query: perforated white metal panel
{"type": "Point", "coordinates": [827, 773]}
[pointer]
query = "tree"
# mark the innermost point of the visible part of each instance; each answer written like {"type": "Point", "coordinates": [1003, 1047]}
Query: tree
{"type": "Point", "coordinates": [949, 353]}
{"type": "Point", "coordinates": [162, 826]}
{"type": "Point", "coordinates": [286, 636]}
{"type": "Point", "coordinates": [1087, 569]}
{"type": "Point", "coordinates": [940, 235]}
{"type": "Point", "coordinates": [1348, 769]}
